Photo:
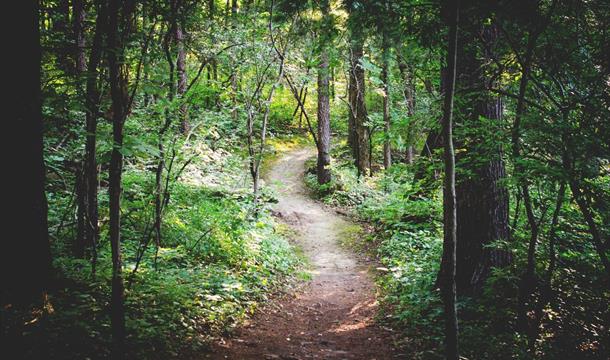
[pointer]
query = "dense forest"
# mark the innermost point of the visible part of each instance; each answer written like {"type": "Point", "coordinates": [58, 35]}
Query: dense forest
{"type": "Point", "coordinates": [331, 179]}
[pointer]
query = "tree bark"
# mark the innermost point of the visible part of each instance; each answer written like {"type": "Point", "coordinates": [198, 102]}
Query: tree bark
{"type": "Point", "coordinates": [449, 199]}
{"type": "Point", "coordinates": [358, 136]}
{"type": "Point", "coordinates": [185, 126]}
{"type": "Point", "coordinates": [78, 9]}
{"type": "Point", "coordinates": [482, 200]}
{"type": "Point", "coordinates": [26, 253]}
{"type": "Point", "coordinates": [92, 106]}
{"type": "Point", "coordinates": [323, 166]}
{"type": "Point", "coordinates": [528, 280]}
{"type": "Point", "coordinates": [409, 95]}
{"type": "Point", "coordinates": [119, 17]}
{"type": "Point", "coordinates": [387, 149]}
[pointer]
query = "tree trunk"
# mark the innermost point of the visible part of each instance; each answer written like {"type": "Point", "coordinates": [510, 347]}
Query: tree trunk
{"type": "Point", "coordinates": [409, 95]}
{"type": "Point", "coordinates": [235, 72]}
{"type": "Point", "coordinates": [92, 105]}
{"type": "Point", "coordinates": [62, 28]}
{"type": "Point", "coordinates": [528, 279]}
{"type": "Point", "coordinates": [26, 253]}
{"type": "Point", "coordinates": [185, 127]}
{"type": "Point", "coordinates": [81, 211]}
{"type": "Point", "coordinates": [119, 16]}
{"type": "Point", "coordinates": [387, 149]}
{"type": "Point", "coordinates": [324, 108]}
{"type": "Point", "coordinates": [449, 199]}
{"type": "Point", "coordinates": [482, 199]}
{"type": "Point", "coordinates": [78, 9]}
{"type": "Point", "coordinates": [358, 136]}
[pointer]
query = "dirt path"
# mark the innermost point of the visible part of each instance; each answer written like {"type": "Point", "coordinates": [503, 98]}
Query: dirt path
{"type": "Point", "coordinates": [332, 316]}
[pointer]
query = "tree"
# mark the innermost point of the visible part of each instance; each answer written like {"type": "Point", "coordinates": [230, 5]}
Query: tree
{"type": "Point", "coordinates": [26, 260]}
{"type": "Point", "coordinates": [387, 99]}
{"type": "Point", "coordinates": [92, 109]}
{"type": "Point", "coordinates": [323, 170]}
{"type": "Point", "coordinates": [449, 198]}
{"type": "Point", "coordinates": [358, 136]}
{"type": "Point", "coordinates": [119, 26]}
{"type": "Point", "coordinates": [482, 199]}
{"type": "Point", "coordinates": [180, 64]}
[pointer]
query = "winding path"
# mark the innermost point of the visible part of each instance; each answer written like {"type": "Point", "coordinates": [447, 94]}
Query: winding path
{"type": "Point", "coordinates": [332, 316]}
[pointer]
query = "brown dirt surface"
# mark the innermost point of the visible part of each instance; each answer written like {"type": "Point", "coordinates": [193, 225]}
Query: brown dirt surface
{"type": "Point", "coordinates": [331, 316]}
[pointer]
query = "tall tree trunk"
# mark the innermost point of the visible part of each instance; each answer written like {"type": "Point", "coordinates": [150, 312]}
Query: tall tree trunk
{"type": "Point", "coordinates": [119, 18]}
{"type": "Point", "coordinates": [26, 257]}
{"type": "Point", "coordinates": [92, 105]}
{"type": "Point", "coordinates": [324, 105]}
{"type": "Point", "coordinates": [482, 199]}
{"type": "Point", "coordinates": [449, 199]}
{"type": "Point", "coordinates": [409, 95]}
{"type": "Point", "coordinates": [81, 211]}
{"type": "Point", "coordinates": [352, 136]}
{"type": "Point", "coordinates": [213, 65]}
{"type": "Point", "coordinates": [235, 72]}
{"type": "Point", "coordinates": [78, 13]}
{"type": "Point", "coordinates": [180, 67]}
{"type": "Point", "coordinates": [159, 201]}
{"type": "Point", "coordinates": [387, 149]}
{"type": "Point", "coordinates": [528, 280]}
{"type": "Point", "coordinates": [62, 29]}
{"type": "Point", "coordinates": [78, 19]}
{"type": "Point", "coordinates": [358, 136]}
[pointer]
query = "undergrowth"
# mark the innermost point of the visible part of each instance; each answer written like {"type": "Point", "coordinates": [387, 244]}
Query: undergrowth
{"type": "Point", "coordinates": [221, 255]}
{"type": "Point", "coordinates": [405, 235]}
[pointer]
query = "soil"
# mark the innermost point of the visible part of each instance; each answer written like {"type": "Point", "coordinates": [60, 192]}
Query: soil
{"type": "Point", "coordinates": [329, 317]}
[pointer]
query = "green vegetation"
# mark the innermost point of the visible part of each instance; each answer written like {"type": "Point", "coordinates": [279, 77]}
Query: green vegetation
{"type": "Point", "coordinates": [471, 139]}
{"type": "Point", "coordinates": [403, 231]}
{"type": "Point", "coordinates": [218, 260]}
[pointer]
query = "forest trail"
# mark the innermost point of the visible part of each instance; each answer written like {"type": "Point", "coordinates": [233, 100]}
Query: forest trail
{"type": "Point", "coordinates": [332, 316]}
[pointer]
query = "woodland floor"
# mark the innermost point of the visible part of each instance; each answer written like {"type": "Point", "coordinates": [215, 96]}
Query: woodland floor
{"type": "Point", "coordinates": [331, 316]}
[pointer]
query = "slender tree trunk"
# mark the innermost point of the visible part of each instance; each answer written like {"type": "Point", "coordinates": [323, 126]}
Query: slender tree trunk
{"type": "Point", "coordinates": [235, 73]}
{"type": "Point", "coordinates": [81, 211]}
{"type": "Point", "coordinates": [160, 145]}
{"type": "Point", "coordinates": [528, 281]}
{"type": "Point", "coordinates": [323, 168]}
{"type": "Point", "coordinates": [78, 13]}
{"type": "Point", "coordinates": [61, 27]}
{"type": "Point", "coordinates": [78, 18]}
{"type": "Point", "coordinates": [387, 149]}
{"type": "Point", "coordinates": [359, 133]}
{"type": "Point", "coordinates": [409, 95]}
{"type": "Point", "coordinates": [546, 291]}
{"type": "Point", "coordinates": [92, 104]}
{"type": "Point", "coordinates": [181, 72]}
{"type": "Point", "coordinates": [449, 199]}
{"type": "Point", "coordinates": [119, 16]}
{"type": "Point", "coordinates": [213, 66]}
{"type": "Point", "coordinates": [332, 82]}
{"type": "Point", "coordinates": [256, 158]}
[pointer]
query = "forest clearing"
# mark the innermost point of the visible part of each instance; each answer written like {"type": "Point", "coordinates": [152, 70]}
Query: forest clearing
{"type": "Point", "coordinates": [307, 179]}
